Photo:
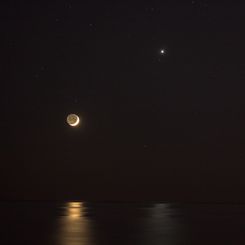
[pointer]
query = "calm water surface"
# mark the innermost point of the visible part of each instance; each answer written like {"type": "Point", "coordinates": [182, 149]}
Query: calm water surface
{"type": "Point", "coordinates": [81, 223]}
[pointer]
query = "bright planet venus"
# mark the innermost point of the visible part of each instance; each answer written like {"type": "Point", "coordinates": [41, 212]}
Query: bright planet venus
{"type": "Point", "coordinates": [73, 120]}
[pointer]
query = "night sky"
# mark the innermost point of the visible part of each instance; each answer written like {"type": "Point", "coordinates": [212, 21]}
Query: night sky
{"type": "Point", "coordinates": [155, 126]}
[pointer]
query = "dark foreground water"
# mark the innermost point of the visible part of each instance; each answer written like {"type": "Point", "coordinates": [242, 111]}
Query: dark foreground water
{"type": "Point", "coordinates": [77, 223]}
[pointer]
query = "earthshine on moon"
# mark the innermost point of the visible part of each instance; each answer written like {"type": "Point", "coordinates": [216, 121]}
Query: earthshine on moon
{"type": "Point", "coordinates": [73, 120]}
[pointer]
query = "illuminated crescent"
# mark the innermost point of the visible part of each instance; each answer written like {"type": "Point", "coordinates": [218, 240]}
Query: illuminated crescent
{"type": "Point", "coordinates": [75, 123]}
{"type": "Point", "coordinates": [73, 120]}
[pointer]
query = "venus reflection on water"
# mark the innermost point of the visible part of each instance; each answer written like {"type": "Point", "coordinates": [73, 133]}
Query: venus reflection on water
{"type": "Point", "coordinates": [163, 226]}
{"type": "Point", "coordinates": [74, 226]}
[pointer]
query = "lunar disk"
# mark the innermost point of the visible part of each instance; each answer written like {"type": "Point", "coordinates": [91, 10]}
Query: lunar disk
{"type": "Point", "coordinates": [73, 120]}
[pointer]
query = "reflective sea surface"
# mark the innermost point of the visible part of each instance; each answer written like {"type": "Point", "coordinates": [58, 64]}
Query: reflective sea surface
{"type": "Point", "coordinates": [83, 223]}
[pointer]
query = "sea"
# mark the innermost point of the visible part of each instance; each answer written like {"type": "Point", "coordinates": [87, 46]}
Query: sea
{"type": "Point", "coordinates": [96, 223]}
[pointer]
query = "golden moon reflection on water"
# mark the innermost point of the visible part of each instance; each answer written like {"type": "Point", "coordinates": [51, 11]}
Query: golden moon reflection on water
{"type": "Point", "coordinates": [73, 120]}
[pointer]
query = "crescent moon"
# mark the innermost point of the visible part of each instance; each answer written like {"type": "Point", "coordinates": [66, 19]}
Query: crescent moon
{"type": "Point", "coordinates": [75, 123]}
{"type": "Point", "coordinates": [73, 120]}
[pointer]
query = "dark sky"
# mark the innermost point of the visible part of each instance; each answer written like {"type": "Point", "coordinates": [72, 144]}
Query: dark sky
{"type": "Point", "coordinates": [162, 127]}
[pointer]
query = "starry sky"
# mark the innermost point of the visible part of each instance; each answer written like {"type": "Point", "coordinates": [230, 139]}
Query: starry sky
{"type": "Point", "coordinates": [159, 87]}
